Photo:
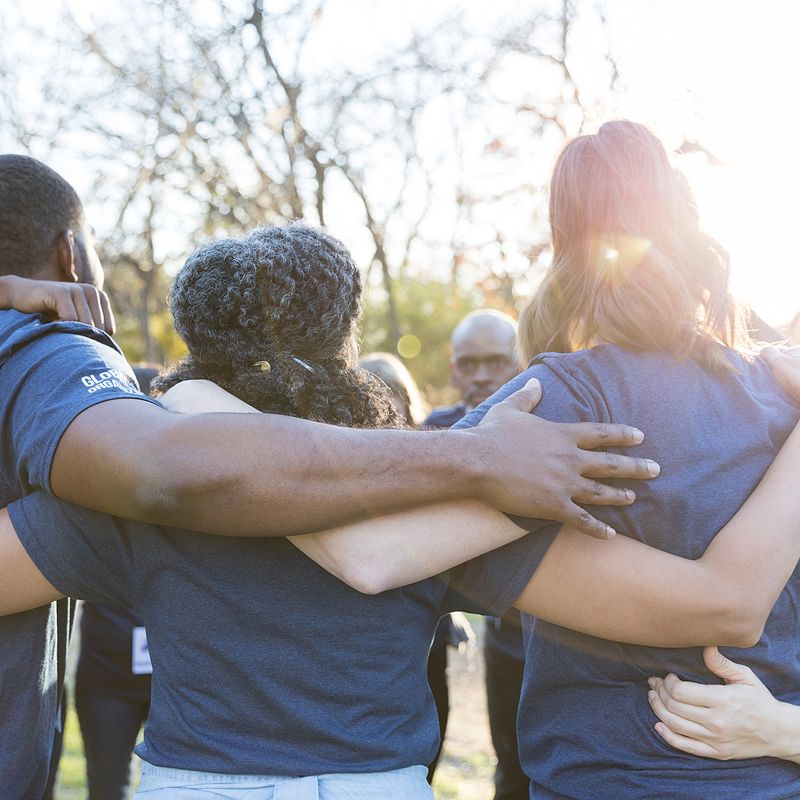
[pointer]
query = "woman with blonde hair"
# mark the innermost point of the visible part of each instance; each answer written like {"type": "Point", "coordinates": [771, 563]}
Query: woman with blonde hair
{"type": "Point", "coordinates": [635, 321]}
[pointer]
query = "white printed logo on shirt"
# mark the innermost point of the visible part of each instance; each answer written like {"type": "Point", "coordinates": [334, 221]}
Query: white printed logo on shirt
{"type": "Point", "coordinates": [109, 379]}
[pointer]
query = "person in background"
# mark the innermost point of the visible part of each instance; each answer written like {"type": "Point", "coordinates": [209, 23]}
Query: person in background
{"type": "Point", "coordinates": [404, 393]}
{"type": "Point", "coordinates": [483, 357]}
{"type": "Point", "coordinates": [453, 629]}
{"type": "Point", "coordinates": [112, 683]}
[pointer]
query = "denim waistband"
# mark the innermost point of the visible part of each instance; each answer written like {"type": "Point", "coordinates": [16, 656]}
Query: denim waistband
{"type": "Point", "coordinates": [165, 783]}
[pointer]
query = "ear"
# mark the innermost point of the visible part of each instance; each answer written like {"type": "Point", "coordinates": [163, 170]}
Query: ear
{"type": "Point", "coordinates": [66, 257]}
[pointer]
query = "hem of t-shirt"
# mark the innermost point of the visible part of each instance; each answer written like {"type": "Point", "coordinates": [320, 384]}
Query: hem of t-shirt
{"type": "Point", "coordinates": [529, 563]}
{"type": "Point", "coordinates": [503, 600]}
{"type": "Point", "coordinates": [179, 765]}
{"type": "Point", "coordinates": [26, 533]}
{"type": "Point", "coordinates": [65, 420]}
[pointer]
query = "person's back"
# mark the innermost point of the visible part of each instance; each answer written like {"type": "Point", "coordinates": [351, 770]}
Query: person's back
{"type": "Point", "coordinates": [258, 653]}
{"type": "Point", "coordinates": [586, 728]}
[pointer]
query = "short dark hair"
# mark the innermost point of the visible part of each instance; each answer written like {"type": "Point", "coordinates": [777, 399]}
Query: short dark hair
{"type": "Point", "coordinates": [36, 205]}
{"type": "Point", "coordinates": [271, 317]}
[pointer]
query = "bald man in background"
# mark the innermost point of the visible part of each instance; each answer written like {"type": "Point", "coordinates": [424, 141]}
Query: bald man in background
{"type": "Point", "coordinates": [483, 357]}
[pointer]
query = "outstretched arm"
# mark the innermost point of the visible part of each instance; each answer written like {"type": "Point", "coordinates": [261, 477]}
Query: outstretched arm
{"type": "Point", "coordinates": [738, 720]}
{"type": "Point", "coordinates": [295, 476]}
{"type": "Point", "coordinates": [619, 589]}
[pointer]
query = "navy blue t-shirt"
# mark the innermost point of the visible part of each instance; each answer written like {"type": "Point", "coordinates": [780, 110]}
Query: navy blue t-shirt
{"type": "Point", "coordinates": [585, 727]}
{"type": "Point", "coordinates": [444, 417]}
{"type": "Point", "coordinates": [49, 373]}
{"type": "Point", "coordinates": [263, 663]}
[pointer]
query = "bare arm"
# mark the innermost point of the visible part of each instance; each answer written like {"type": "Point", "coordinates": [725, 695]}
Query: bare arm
{"type": "Point", "coordinates": [620, 589]}
{"type": "Point", "coordinates": [133, 460]}
{"type": "Point", "coordinates": [23, 586]}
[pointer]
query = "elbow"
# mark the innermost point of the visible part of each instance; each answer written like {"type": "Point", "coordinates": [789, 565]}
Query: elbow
{"type": "Point", "coordinates": [366, 578]}
{"type": "Point", "coordinates": [741, 623]}
{"type": "Point", "coordinates": [367, 573]}
{"type": "Point", "coordinates": [743, 632]}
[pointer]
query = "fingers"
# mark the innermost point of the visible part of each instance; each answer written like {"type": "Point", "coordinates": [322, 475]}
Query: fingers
{"type": "Point", "coordinates": [109, 323]}
{"type": "Point", "coordinates": [688, 694]}
{"type": "Point", "coordinates": [662, 698]}
{"type": "Point", "coordinates": [92, 307]}
{"type": "Point", "coordinates": [82, 306]}
{"type": "Point", "coordinates": [64, 307]}
{"type": "Point", "coordinates": [786, 369]}
{"type": "Point", "coordinates": [675, 722]}
{"type": "Point", "coordinates": [526, 398]}
{"type": "Point", "coordinates": [595, 493]}
{"type": "Point", "coordinates": [589, 435]}
{"type": "Point", "coordinates": [613, 465]}
{"type": "Point", "coordinates": [769, 354]}
{"type": "Point", "coordinates": [92, 296]}
{"type": "Point", "coordinates": [685, 743]}
{"type": "Point", "coordinates": [581, 520]}
{"type": "Point", "coordinates": [728, 670]}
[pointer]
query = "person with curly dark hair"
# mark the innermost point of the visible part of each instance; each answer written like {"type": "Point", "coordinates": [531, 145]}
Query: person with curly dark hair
{"type": "Point", "coordinates": [272, 319]}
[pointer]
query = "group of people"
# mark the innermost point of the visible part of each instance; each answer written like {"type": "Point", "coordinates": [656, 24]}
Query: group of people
{"type": "Point", "coordinates": [290, 545]}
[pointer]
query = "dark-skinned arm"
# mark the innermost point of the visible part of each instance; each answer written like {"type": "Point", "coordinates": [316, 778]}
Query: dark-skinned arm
{"type": "Point", "coordinates": [263, 474]}
{"type": "Point", "coordinates": [72, 302]}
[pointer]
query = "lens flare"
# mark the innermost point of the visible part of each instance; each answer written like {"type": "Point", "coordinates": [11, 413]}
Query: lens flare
{"type": "Point", "coordinates": [409, 346]}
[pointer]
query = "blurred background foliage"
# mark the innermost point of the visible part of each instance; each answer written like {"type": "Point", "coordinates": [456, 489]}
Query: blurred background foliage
{"type": "Point", "coordinates": [180, 120]}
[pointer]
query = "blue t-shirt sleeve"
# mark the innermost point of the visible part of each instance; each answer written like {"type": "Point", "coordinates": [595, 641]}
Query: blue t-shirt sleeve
{"type": "Point", "coordinates": [492, 582]}
{"type": "Point", "coordinates": [45, 384]}
{"type": "Point", "coordinates": [83, 553]}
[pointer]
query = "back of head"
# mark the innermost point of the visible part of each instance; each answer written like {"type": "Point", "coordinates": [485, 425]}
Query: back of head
{"type": "Point", "coordinates": [631, 265]}
{"type": "Point", "coordinates": [399, 382]}
{"type": "Point", "coordinates": [36, 206]}
{"type": "Point", "coordinates": [271, 317]}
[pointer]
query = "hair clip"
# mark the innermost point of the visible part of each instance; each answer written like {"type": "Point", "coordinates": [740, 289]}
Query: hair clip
{"type": "Point", "coordinates": [303, 363]}
{"type": "Point", "coordinates": [264, 366]}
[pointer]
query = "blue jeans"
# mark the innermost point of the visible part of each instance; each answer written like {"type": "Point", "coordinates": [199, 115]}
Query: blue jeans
{"type": "Point", "coordinates": [161, 783]}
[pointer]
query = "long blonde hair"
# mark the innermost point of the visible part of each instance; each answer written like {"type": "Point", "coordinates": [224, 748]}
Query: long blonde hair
{"type": "Point", "coordinates": [631, 265]}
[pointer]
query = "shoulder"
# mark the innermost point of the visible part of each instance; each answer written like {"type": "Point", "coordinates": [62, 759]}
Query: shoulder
{"type": "Point", "coordinates": [444, 417]}
{"type": "Point", "coordinates": [67, 357]}
{"type": "Point", "coordinates": [30, 334]}
{"type": "Point", "coordinates": [568, 392]}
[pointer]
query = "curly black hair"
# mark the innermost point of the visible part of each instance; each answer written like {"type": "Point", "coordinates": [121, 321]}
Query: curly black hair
{"type": "Point", "coordinates": [36, 205]}
{"type": "Point", "coordinates": [272, 317]}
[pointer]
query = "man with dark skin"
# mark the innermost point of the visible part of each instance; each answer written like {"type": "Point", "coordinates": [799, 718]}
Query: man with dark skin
{"type": "Point", "coordinates": [483, 358]}
{"type": "Point", "coordinates": [75, 425]}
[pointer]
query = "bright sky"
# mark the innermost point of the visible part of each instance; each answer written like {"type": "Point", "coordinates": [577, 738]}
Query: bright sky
{"type": "Point", "coordinates": [717, 71]}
